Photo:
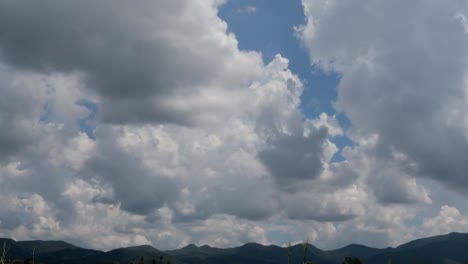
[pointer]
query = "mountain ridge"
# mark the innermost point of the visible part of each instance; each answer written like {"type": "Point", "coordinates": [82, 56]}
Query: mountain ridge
{"type": "Point", "coordinates": [448, 248]}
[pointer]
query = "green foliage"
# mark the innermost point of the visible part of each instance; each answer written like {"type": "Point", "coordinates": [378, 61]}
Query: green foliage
{"type": "Point", "coordinates": [2, 257]}
{"type": "Point", "coordinates": [3, 254]}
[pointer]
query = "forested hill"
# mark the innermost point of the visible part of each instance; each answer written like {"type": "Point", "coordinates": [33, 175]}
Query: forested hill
{"type": "Point", "coordinates": [446, 249]}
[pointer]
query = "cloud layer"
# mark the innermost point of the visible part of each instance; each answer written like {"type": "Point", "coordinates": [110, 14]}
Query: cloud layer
{"type": "Point", "coordinates": [196, 141]}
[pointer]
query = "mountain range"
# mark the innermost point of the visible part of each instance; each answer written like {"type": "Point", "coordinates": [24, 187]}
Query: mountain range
{"type": "Point", "coordinates": [445, 249]}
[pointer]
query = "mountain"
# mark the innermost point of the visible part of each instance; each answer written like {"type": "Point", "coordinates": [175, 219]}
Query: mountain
{"type": "Point", "coordinates": [444, 249]}
{"type": "Point", "coordinates": [193, 249]}
{"type": "Point", "coordinates": [357, 251]}
{"type": "Point", "coordinates": [14, 250]}
{"type": "Point", "coordinates": [40, 246]}
{"type": "Point", "coordinates": [126, 255]}
{"type": "Point", "coordinates": [448, 249]}
{"type": "Point", "coordinates": [250, 253]}
{"type": "Point", "coordinates": [46, 251]}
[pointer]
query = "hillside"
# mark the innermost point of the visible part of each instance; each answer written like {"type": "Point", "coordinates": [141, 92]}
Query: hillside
{"type": "Point", "coordinates": [445, 249]}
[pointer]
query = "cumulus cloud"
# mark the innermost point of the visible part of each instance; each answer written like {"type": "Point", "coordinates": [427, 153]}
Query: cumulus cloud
{"type": "Point", "coordinates": [196, 141]}
{"type": "Point", "coordinates": [16, 110]}
{"type": "Point", "coordinates": [292, 158]}
{"type": "Point", "coordinates": [402, 80]}
{"type": "Point", "coordinates": [402, 85]}
{"type": "Point", "coordinates": [215, 169]}
{"type": "Point", "coordinates": [136, 189]}
{"type": "Point", "coordinates": [189, 131]}
{"type": "Point", "coordinates": [448, 220]}
{"type": "Point", "coordinates": [141, 59]}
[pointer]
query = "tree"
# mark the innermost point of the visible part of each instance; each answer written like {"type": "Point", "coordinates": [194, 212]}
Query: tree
{"type": "Point", "coordinates": [349, 260]}
{"type": "Point", "coordinates": [304, 261]}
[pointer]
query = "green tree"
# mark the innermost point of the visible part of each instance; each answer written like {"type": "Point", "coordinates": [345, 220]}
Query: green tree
{"type": "Point", "coordinates": [3, 255]}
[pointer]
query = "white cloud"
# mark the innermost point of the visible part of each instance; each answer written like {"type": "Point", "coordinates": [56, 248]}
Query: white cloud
{"type": "Point", "coordinates": [177, 137]}
{"type": "Point", "coordinates": [250, 9]}
{"type": "Point", "coordinates": [401, 79]}
{"type": "Point", "coordinates": [199, 142]}
{"type": "Point", "coordinates": [402, 68]}
{"type": "Point", "coordinates": [449, 220]}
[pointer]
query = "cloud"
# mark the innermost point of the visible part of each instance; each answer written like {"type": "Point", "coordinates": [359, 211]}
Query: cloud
{"type": "Point", "coordinates": [139, 60]}
{"type": "Point", "coordinates": [201, 172]}
{"type": "Point", "coordinates": [187, 132]}
{"type": "Point", "coordinates": [292, 159]}
{"type": "Point", "coordinates": [402, 80]}
{"type": "Point", "coordinates": [136, 189]}
{"type": "Point", "coordinates": [223, 231]}
{"type": "Point", "coordinates": [323, 206]}
{"type": "Point", "coordinates": [194, 138]}
{"type": "Point", "coordinates": [250, 9]}
{"type": "Point", "coordinates": [448, 220]}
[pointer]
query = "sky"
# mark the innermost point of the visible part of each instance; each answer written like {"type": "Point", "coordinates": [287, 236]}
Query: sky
{"type": "Point", "coordinates": [225, 122]}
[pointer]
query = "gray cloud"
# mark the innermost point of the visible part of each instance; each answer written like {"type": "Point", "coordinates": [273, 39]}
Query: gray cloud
{"type": "Point", "coordinates": [391, 189]}
{"type": "Point", "coordinates": [10, 219]}
{"type": "Point", "coordinates": [17, 113]}
{"type": "Point", "coordinates": [144, 65]}
{"type": "Point", "coordinates": [28, 143]}
{"type": "Point", "coordinates": [249, 163]}
{"type": "Point", "coordinates": [292, 159]}
{"type": "Point", "coordinates": [402, 80]}
{"type": "Point", "coordinates": [254, 199]}
{"type": "Point", "coordinates": [318, 207]}
{"type": "Point", "coordinates": [134, 56]}
{"type": "Point", "coordinates": [135, 188]}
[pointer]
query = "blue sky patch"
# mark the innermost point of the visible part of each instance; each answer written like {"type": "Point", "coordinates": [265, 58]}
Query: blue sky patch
{"type": "Point", "coordinates": [268, 26]}
{"type": "Point", "coordinates": [86, 123]}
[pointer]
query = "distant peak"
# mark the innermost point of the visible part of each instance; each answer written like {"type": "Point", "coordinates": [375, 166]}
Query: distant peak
{"type": "Point", "coordinates": [6, 238]}
{"type": "Point", "coordinates": [190, 246]}
{"type": "Point", "coordinates": [141, 247]}
{"type": "Point", "coordinates": [356, 246]}
{"type": "Point", "coordinates": [252, 244]}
